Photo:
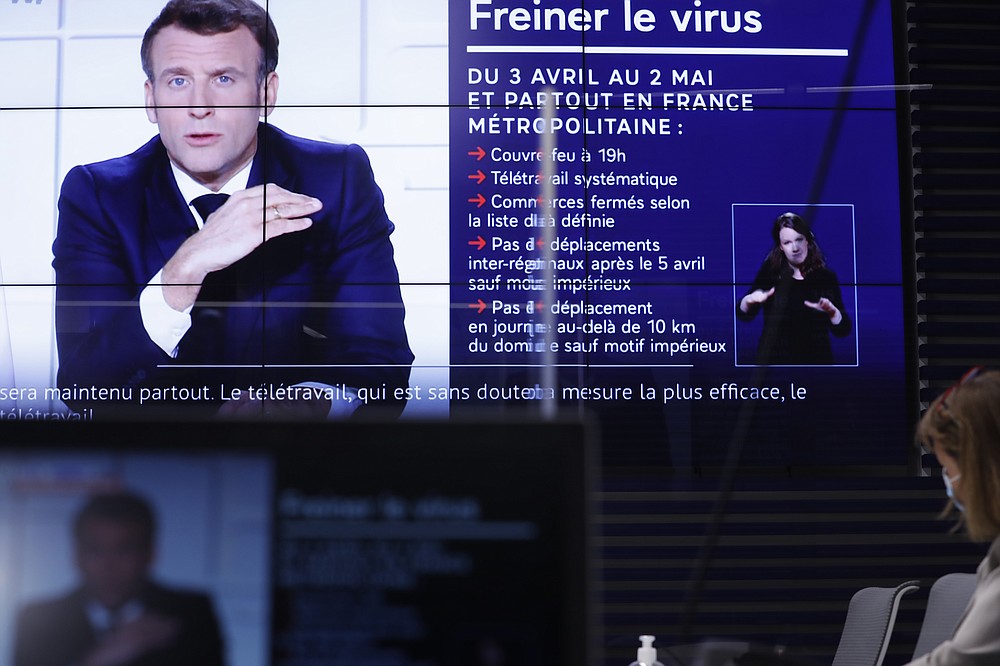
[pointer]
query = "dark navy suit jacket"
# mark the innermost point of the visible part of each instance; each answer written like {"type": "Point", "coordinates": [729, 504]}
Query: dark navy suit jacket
{"type": "Point", "coordinates": [326, 298]}
{"type": "Point", "coordinates": [57, 632]}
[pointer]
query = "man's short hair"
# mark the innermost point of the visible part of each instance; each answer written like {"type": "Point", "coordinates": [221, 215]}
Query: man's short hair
{"type": "Point", "coordinates": [212, 17]}
{"type": "Point", "coordinates": [122, 507]}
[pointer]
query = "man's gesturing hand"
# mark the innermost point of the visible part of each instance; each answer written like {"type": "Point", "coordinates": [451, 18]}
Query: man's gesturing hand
{"type": "Point", "coordinates": [128, 642]}
{"type": "Point", "coordinates": [247, 220]}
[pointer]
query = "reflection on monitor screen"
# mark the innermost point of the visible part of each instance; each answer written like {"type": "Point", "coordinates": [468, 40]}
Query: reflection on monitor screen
{"type": "Point", "coordinates": [366, 544]}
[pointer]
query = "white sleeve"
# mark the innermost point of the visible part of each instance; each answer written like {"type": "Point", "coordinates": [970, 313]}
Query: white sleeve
{"type": "Point", "coordinates": [164, 325]}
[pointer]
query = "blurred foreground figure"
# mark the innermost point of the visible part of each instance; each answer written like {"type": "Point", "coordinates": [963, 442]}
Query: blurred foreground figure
{"type": "Point", "coordinates": [118, 616]}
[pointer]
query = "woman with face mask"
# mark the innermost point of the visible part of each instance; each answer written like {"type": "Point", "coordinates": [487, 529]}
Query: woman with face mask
{"type": "Point", "coordinates": [800, 298]}
{"type": "Point", "coordinates": [962, 429]}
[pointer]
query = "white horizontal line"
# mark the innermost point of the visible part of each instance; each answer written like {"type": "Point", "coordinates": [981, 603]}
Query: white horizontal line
{"type": "Point", "coordinates": [914, 86]}
{"type": "Point", "coordinates": [660, 50]}
{"type": "Point", "coordinates": [415, 366]}
{"type": "Point", "coordinates": [563, 365]}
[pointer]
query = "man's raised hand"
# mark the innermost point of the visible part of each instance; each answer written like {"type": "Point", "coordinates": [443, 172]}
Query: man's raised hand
{"type": "Point", "coordinates": [248, 219]}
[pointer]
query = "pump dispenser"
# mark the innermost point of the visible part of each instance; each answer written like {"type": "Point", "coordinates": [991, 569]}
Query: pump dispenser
{"type": "Point", "coordinates": [646, 655]}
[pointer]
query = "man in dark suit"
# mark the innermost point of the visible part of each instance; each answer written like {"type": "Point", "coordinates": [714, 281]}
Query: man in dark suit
{"type": "Point", "coordinates": [285, 289]}
{"type": "Point", "coordinates": [118, 616]}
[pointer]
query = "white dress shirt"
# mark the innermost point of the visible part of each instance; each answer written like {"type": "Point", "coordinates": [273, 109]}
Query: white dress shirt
{"type": "Point", "coordinates": [166, 326]}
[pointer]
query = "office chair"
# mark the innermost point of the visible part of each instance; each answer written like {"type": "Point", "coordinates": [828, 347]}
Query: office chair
{"type": "Point", "coordinates": [868, 627]}
{"type": "Point", "coordinates": [949, 597]}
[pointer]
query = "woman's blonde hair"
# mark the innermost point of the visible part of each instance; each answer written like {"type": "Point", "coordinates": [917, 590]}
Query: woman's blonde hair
{"type": "Point", "coordinates": [964, 422]}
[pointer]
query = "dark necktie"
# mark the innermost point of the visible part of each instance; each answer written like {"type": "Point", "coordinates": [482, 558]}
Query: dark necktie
{"type": "Point", "coordinates": [203, 343]}
{"type": "Point", "coordinates": [207, 204]}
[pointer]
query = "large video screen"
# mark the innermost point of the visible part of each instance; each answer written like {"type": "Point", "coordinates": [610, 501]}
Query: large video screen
{"type": "Point", "coordinates": [663, 213]}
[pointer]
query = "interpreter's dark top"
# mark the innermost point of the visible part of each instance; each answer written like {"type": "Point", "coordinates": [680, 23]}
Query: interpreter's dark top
{"type": "Point", "coordinates": [798, 335]}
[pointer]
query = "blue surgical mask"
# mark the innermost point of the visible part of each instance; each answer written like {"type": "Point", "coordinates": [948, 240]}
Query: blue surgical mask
{"type": "Point", "coordinates": [948, 480]}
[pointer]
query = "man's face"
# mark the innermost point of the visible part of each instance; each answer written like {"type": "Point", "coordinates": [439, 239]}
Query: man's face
{"type": "Point", "coordinates": [206, 100]}
{"type": "Point", "coordinates": [113, 560]}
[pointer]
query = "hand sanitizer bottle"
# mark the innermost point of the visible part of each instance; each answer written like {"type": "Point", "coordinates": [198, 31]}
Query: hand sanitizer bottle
{"type": "Point", "coordinates": [646, 655]}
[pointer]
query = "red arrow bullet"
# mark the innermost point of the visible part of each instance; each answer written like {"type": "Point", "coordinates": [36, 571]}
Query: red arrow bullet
{"type": "Point", "coordinates": [479, 176]}
{"type": "Point", "coordinates": [479, 200]}
{"type": "Point", "coordinates": [478, 306]}
{"type": "Point", "coordinates": [478, 153]}
{"type": "Point", "coordinates": [480, 243]}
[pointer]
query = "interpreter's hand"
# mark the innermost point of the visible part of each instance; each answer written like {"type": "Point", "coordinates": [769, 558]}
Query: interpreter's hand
{"type": "Point", "coordinates": [755, 297]}
{"type": "Point", "coordinates": [304, 409]}
{"type": "Point", "coordinates": [827, 307]}
{"type": "Point", "coordinates": [133, 639]}
{"type": "Point", "coordinates": [248, 219]}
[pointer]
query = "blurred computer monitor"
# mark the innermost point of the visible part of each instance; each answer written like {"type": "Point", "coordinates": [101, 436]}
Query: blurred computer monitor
{"type": "Point", "coordinates": [347, 543]}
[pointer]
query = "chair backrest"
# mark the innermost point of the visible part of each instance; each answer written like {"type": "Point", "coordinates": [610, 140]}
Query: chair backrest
{"type": "Point", "coordinates": [948, 599]}
{"type": "Point", "coordinates": [870, 619]}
